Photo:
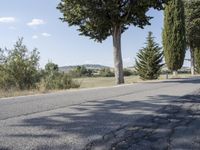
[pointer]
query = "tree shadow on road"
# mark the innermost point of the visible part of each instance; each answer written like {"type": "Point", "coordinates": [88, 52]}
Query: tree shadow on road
{"type": "Point", "coordinates": [102, 121]}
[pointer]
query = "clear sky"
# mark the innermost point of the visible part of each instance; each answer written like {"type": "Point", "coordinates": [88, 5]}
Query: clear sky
{"type": "Point", "coordinates": [38, 22]}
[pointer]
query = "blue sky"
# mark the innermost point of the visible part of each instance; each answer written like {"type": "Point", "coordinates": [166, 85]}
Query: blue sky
{"type": "Point", "coordinates": [38, 22]}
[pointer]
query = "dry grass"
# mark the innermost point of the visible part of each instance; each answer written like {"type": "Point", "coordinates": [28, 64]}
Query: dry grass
{"type": "Point", "coordinates": [90, 82]}
{"type": "Point", "coordinates": [87, 82]}
{"type": "Point", "coordinates": [13, 93]}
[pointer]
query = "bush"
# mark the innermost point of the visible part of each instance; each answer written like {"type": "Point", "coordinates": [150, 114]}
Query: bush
{"type": "Point", "coordinates": [19, 71]}
{"type": "Point", "coordinates": [53, 79]}
{"type": "Point", "coordinates": [6, 81]}
{"type": "Point", "coordinates": [59, 81]}
{"type": "Point", "coordinates": [127, 72]}
{"type": "Point", "coordinates": [19, 67]}
{"type": "Point", "coordinates": [80, 71]}
{"type": "Point", "coordinates": [106, 72]}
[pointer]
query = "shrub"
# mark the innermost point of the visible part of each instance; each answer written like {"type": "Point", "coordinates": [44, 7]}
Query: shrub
{"type": "Point", "coordinates": [81, 71]}
{"type": "Point", "coordinates": [53, 79]}
{"type": "Point", "coordinates": [19, 71]}
{"type": "Point", "coordinates": [59, 81]}
{"type": "Point", "coordinates": [19, 67]}
{"type": "Point", "coordinates": [106, 72]}
{"type": "Point", "coordinates": [127, 72]}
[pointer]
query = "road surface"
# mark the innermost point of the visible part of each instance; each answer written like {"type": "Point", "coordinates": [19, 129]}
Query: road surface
{"type": "Point", "coordinates": [100, 118]}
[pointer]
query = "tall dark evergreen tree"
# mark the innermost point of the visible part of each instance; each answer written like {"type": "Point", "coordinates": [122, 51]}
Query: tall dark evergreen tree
{"type": "Point", "coordinates": [99, 19]}
{"type": "Point", "coordinates": [197, 60]}
{"type": "Point", "coordinates": [192, 20]}
{"type": "Point", "coordinates": [174, 40]}
{"type": "Point", "coordinates": [149, 60]}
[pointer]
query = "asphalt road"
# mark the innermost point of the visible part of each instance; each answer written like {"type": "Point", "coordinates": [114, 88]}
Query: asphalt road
{"type": "Point", "coordinates": [72, 120]}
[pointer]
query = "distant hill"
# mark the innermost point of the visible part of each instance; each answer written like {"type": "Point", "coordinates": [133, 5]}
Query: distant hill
{"type": "Point", "coordinates": [88, 66]}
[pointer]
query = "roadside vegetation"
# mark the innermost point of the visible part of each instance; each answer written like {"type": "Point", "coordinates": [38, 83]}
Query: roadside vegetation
{"type": "Point", "coordinates": [19, 67]}
{"type": "Point", "coordinates": [192, 24]}
{"type": "Point", "coordinates": [174, 38]}
{"type": "Point", "coordinates": [20, 73]}
{"type": "Point", "coordinates": [100, 19]}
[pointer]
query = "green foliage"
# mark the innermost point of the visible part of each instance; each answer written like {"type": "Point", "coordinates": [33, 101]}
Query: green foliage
{"type": "Point", "coordinates": [51, 67]}
{"type": "Point", "coordinates": [106, 72]}
{"type": "Point", "coordinates": [53, 79]}
{"type": "Point", "coordinates": [197, 60]}
{"type": "Point", "coordinates": [81, 71]}
{"type": "Point", "coordinates": [19, 70]}
{"type": "Point", "coordinates": [98, 18]}
{"type": "Point", "coordinates": [127, 72]}
{"type": "Point", "coordinates": [149, 60]}
{"type": "Point", "coordinates": [59, 81]}
{"type": "Point", "coordinates": [192, 21]}
{"type": "Point", "coordinates": [192, 15]}
{"type": "Point", "coordinates": [19, 67]}
{"type": "Point", "coordinates": [174, 40]}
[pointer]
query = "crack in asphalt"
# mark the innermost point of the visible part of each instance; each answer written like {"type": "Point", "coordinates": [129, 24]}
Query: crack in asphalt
{"type": "Point", "coordinates": [153, 132]}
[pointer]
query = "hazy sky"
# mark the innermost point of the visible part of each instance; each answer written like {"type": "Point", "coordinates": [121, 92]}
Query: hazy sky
{"type": "Point", "coordinates": [38, 22]}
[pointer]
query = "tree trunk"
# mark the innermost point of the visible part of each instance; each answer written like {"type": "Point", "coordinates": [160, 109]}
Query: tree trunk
{"type": "Point", "coordinates": [192, 61]}
{"type": "Point", "coordinates": [118, 55]}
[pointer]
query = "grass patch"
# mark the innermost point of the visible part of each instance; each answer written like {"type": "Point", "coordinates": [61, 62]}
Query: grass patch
{"type": "Point", "coordinates": [91, 82]}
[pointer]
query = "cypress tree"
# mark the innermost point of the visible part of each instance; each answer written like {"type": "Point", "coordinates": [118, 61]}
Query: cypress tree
{"type": "Point", "coordinates": [174, 39]}
{"type": "Point", "coordinates": [197, 60]}
{"type": "Point", "coordinates": [192, 22]}
{"type": "Point", "coordinates": [149, 60]}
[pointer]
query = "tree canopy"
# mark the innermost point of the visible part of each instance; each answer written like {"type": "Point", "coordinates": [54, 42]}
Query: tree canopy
{"type": "Point", "coordinates": [96, 18]}
{"type": "Point", "coordinates": [174, 40]}
{"type": "Point", "coordinates": [99, 19]}
{"type": "Point", "coordinates": [192, 19]}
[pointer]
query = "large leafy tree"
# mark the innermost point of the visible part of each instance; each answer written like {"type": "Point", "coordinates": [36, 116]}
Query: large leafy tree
{"type": "Point", "coordinates": [192, 20]}
{"type": "Point", "coordinates": [174, 40]}
{"type": "Point", "coordinates": [149, 62]}
{"type": "Point", "coordinates": [99, 19]}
